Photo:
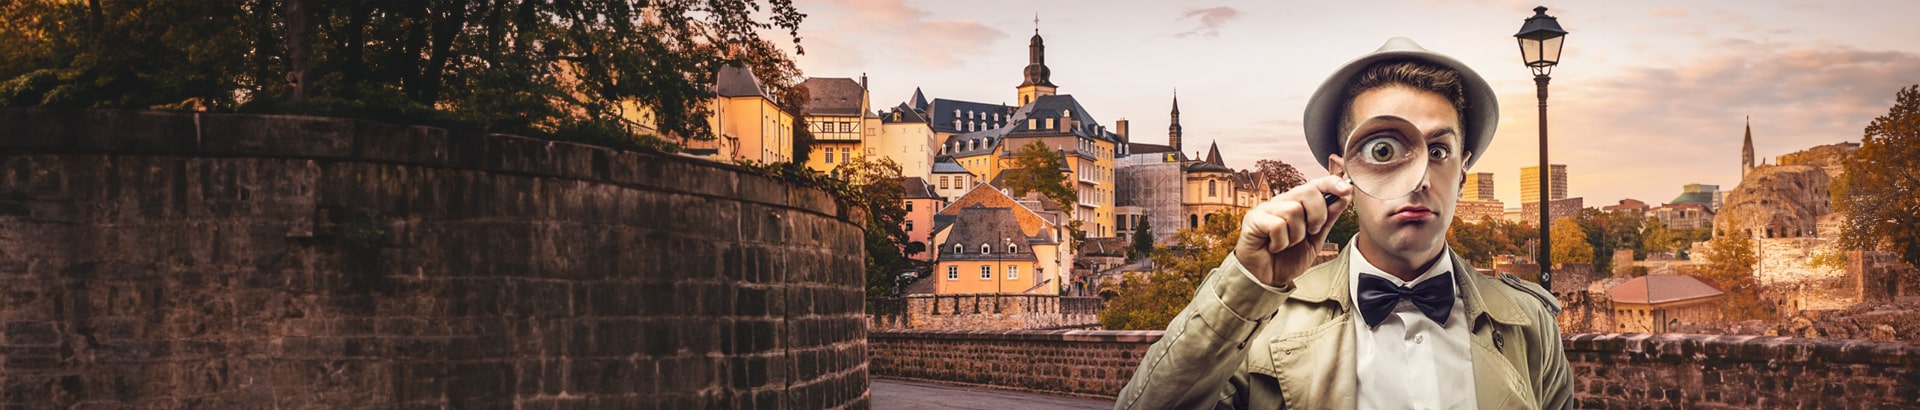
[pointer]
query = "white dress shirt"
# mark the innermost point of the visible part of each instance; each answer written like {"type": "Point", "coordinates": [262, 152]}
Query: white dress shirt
{"type": "Point", "coordinates": [1409, 361]}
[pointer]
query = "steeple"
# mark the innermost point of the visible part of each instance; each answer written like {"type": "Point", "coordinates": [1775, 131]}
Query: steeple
{"type": "Point", "coordinates": [1746, 151]}
{"type": "Point", "coordinates": [1173, 131]}
{"type": "Point", "coordinates": [1213, 155]}
{"type": "Point", "coordinates": [1038, 79]}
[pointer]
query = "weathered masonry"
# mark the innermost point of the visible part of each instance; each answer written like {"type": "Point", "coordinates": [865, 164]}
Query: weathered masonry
{"type": "Point", "coordinates": [181, 260]}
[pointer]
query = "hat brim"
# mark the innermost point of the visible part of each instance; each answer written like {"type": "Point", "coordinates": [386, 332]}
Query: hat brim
{"type": "Point", "coordinates": [1322, 121]}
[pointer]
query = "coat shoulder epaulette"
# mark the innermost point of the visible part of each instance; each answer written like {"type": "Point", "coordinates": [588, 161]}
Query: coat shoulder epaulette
{"type": "Point", "coordinates": [1533, 289]}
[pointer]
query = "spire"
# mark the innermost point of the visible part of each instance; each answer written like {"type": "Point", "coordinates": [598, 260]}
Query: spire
{"type": "Point", "coordinates": [918, 101]}
{"type": "Point", "coordinates": [1746, 150]}
{"type": "Point", "coordinates": [1036, 72]}
{"type": "Point", "coordinates": [1173, 130]}
{"type": "Point", "coordinates": [1213, 155]}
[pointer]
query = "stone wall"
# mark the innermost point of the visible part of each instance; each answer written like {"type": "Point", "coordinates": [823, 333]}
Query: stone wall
{"type": "Point", "coordinates": [984, 312]}
{"type": "Point", "coordinates": [180, 260]}
{"type": "Point", "coordinates": [1609, 370]}
{"type": "Point", "coordinates": [1080, 362]}
{"type": "Point", "coordinates": [1697, 371]}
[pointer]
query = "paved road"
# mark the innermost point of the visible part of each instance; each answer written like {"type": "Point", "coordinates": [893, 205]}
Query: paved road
{"type": "Point", "coordinates": [901, 394]}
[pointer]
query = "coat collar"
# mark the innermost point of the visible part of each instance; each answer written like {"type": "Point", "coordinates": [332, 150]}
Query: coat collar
{"type": "Point", "coordinates": [1327, 282]}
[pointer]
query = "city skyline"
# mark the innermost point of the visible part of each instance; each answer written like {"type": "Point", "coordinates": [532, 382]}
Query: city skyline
{"type": "Point", "coordinates": [1680, 76]}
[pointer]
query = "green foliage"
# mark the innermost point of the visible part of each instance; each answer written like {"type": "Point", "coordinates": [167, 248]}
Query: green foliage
{"type": "Point", "coordinates": [1658, 237]}
{"type": "Point", "coordinates": [1344, 228]}
{"type": "Point", "coordinates": [1610, 231]}
{"type": "Point", "coordinates": [1036, 168]}
{"type": "Point", "coordinates": [1880, 192]}
{"type": "Point", "coordinates": [1151, 301]}
{"type": "Point", "coordinates": [1570, 242]}
{"type": "Point", "coordinates": [1480, 241]}
{"type": "Point", "coordinates": [876, 188]}
{"type": "Point", "coordinates": [542, 69]}
{"type": "Point", "coordinates": [1730, 262]}
{"type": "Point", "coordinates": [1142, 240]}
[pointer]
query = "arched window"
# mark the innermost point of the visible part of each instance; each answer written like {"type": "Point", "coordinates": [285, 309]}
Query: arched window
{"type": "Point", "coordinates": [1013, 249]}
{"type": "Point", "coordinates": [1210, 188]}
{"type": "Point", "coordinates": [958, 249]}
{"type": "Point", "coordinates": [984, 249]}
{"type": "Point", "coordinates": [1193, 221]}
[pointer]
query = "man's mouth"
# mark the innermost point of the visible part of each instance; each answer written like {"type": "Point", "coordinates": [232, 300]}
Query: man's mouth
{"type": "Point", "coordinates": [1412, 213]}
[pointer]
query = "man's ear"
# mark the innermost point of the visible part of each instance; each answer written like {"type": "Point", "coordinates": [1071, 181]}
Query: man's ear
{"type": "Point", "coordinates": [1336, 166]}
{"type": "Point", "coordinates": [1461, 191]}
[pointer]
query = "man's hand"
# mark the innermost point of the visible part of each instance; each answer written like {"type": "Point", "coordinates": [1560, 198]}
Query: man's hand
{"type": "Point", "coordinates": [1279, 238]}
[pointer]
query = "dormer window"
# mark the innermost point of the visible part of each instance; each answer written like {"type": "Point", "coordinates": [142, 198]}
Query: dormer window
{"type": "Point", "coordinates": [957, 248]}
{"type": "Point", "coordinates": [1033, 123]}
{"type": "Point", "coordinates": [984, 249]}
{"type": "Point", "coordinates": [1013, 249]}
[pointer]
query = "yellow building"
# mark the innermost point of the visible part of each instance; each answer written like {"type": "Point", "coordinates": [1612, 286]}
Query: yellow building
{"type": "Point", "coordinates": [905, 138]}
{"type": "Point", "coordinates": [1656, 303]}
{"type": "Point", "coordinates": [983, 138]}
{"type": "Point", "coordinates": [838, 116]}
{"type": "Point", "coordinates": [988, 242]}
{"type": "Point", "coordinates": [747, 123]}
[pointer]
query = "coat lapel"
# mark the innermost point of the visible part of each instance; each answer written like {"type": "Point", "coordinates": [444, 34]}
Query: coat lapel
{"type": "Point", "coordinates": [1496, 345]}
{"type": "Point", "coordinates": [1310, 341]}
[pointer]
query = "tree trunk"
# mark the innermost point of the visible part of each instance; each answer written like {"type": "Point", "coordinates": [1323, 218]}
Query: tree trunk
{"type": "Point", "coordinates": [297, 50]}
{"type": "Point", "coordinates": [445, 32]}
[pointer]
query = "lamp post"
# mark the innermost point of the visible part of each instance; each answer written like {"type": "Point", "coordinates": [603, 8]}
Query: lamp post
{"type": "Point", "coordinates": [1540, 40]}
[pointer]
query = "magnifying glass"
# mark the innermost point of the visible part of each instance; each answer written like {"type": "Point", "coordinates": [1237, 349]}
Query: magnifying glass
{"type": "Point", "coordinates": [1385, 158]}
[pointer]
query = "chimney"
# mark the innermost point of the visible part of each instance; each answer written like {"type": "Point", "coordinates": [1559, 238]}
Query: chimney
{"type": "Point", "coordinates": [1120, 128]}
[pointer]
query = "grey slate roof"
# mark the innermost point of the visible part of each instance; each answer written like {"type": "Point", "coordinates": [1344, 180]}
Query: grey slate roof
{"type": "Point", "coordinates": [738, 81]}
{"type": "Point", "coordinates": [994, 227]}
{"type": "Point", "coordinates": [940, 114]}
{"type": "Point", "coordinates": [1213, 162]}
{"type": "Point", "coordinates": [832, 96]}
{"type": "Point", "coordinates": [902, 114]}
{"type": "Point", "coordinates": [916, 188]}
{"type": "Point", "coordinates": [948, 167]}
{"type": "Point", "coordinates": [918, 101]}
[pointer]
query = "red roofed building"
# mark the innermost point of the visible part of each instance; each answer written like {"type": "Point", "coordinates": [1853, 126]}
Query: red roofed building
{"type": "Point", "coordinates": [1652, 303]}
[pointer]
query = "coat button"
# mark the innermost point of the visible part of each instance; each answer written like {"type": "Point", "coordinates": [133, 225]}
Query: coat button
{"type": "Point", "coordinates": [1499, 343]}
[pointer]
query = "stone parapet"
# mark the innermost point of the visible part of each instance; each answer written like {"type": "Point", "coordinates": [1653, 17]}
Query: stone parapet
{"type": "Point", "coordinates": [189, 260]}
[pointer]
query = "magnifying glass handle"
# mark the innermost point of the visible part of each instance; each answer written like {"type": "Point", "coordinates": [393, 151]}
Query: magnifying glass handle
{"type": "Point", "coordinates": [1331, 198]}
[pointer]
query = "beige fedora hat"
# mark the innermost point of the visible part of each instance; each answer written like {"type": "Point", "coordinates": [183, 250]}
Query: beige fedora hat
{"type": "Point", "coordinates": [1481, 115]}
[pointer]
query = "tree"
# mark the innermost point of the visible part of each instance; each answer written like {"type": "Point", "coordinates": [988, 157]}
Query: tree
{"type": "Point", "coordinates": [1730, 261]}
{"type": "Point", "coordinates": [1610, 231]}
{"type": "Point", "coordinates": [1570, 242]}
{"type": "Point", "coordinates": [1279, 176]}
{"type": "Point", "coordinates": [876, 187]}
{"type": "Point", "coordinates": [1344, 228]}
{"type": "Point", "coordinates": [1479, 241]}
{"type": "Point", "coordinates": [1036, 168]}
{"type": "Point", "coordinates": [1142, 240]}
{"type": "Point", "coordinates": [1880, 191]}
{"type": "Point", "coordinates": [1151, 301]}
{"type": "Point", "coordinates": [568, 69]}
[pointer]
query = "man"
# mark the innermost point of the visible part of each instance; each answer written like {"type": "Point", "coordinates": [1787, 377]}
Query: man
{"type": "Point", "coordinates": [1397, 320]}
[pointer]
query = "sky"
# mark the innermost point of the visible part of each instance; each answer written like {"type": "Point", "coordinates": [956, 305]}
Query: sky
{"type": "Point", "coordinates": [1649, 96]}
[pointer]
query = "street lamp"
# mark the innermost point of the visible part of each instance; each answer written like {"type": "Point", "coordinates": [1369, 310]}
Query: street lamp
{"type": "Point", "coordinates": [1540, 40]}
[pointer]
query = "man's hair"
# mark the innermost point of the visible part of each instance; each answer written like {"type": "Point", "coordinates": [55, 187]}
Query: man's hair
{"type": "Point", "coordinates": [1416, 74]}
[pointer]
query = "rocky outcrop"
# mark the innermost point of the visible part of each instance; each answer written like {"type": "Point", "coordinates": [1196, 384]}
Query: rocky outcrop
{"type": "Point", "coordinates": [1781, 201]}
{"type": "Point", "coordinates": [1830, 158]}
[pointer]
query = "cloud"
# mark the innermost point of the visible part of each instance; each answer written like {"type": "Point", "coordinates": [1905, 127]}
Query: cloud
{"type": "Point", "coordinates": [1667, 12]}
{"type": "Point", "coordinates": [901, 32]}
{"type": "Point", "coordinates": [1642, 132]}
{"type": "Point", "coordinates": [1209, 20]}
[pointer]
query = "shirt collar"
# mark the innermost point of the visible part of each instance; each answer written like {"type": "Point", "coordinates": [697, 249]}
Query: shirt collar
{"type": "Point", "coordinates": [1361, 266]}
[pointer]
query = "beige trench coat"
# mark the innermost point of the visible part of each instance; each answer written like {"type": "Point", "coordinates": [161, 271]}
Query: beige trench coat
{"type": "Point", "coordinates": [1240, 345]}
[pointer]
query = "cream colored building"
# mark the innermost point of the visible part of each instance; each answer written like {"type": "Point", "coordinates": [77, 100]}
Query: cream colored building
{"type": "Point", "coordinates": [905, 138]}
{"type": "Point", "coordinates": [839, 116]}
{"type": "Point", "coordinates": [747, 123]}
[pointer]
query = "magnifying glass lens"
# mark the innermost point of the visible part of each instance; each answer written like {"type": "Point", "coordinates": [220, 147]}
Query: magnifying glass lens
{"type": "Point", "coordinates": [1385, 158]}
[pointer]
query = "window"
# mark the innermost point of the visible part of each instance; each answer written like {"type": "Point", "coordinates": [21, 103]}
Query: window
{"type": "Point", "coordinates": [953, 272]}
{"type": "Point", "coordinates": [958, 249]}
{"type": "Point", "coordinates": [1013, 249]}
{"type": "Point", "coordinates": [829, 155]}
{"type": "Point", "coordinates": [984, 249]}
{"type": "Point", "coordinates": [1210, 190]}
{"type": "Point", "coordinates": [1033, 123]}
{"type": "Point", "coordinates": [943, 183]}
{"type": "Point", "coordinates": [846, 154]}
{"type": "Point", "coordinates": [909, 209]}
{"type": "Point", "coordinates": [1013, 272]}
{"type": "Point", "coordinates": [986, 273]}
{"type": "Point", "coordinates": [909, 226]}
{"type": "Point", "coordinates": [1049, 123]}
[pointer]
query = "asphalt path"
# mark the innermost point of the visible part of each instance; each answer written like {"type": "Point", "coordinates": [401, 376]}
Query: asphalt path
{"type": "Point", "coordinates": [902, 394]}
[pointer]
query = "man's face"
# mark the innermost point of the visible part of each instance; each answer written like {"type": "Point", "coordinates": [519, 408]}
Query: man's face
{"type": "Point", "coordinates": [1413, 227]}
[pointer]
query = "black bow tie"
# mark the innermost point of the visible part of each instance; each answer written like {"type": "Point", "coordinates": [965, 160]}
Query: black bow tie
{"type": "Point", "coordinates": [1378, 296]}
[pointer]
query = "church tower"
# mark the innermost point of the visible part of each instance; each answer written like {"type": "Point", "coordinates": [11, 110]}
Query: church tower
{"type": "Point", "coordinates": [1746, 151]}
{"type": "Point", "coordinates": [1173, 131]}
{"type": "Point", "coordinates": [1039, 79]}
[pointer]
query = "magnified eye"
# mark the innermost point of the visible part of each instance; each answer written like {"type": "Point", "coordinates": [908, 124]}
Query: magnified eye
{"type": "Point", "coordinates": [1382, 149]}
{"type": "Point", "coordinates": [1438, 152]}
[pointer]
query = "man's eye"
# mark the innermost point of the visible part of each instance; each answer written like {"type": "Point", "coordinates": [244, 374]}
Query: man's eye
{"type": "Point", "coordinates": [1382, 149]}
{"type": "Point", "coordinates": [1438, 152]}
